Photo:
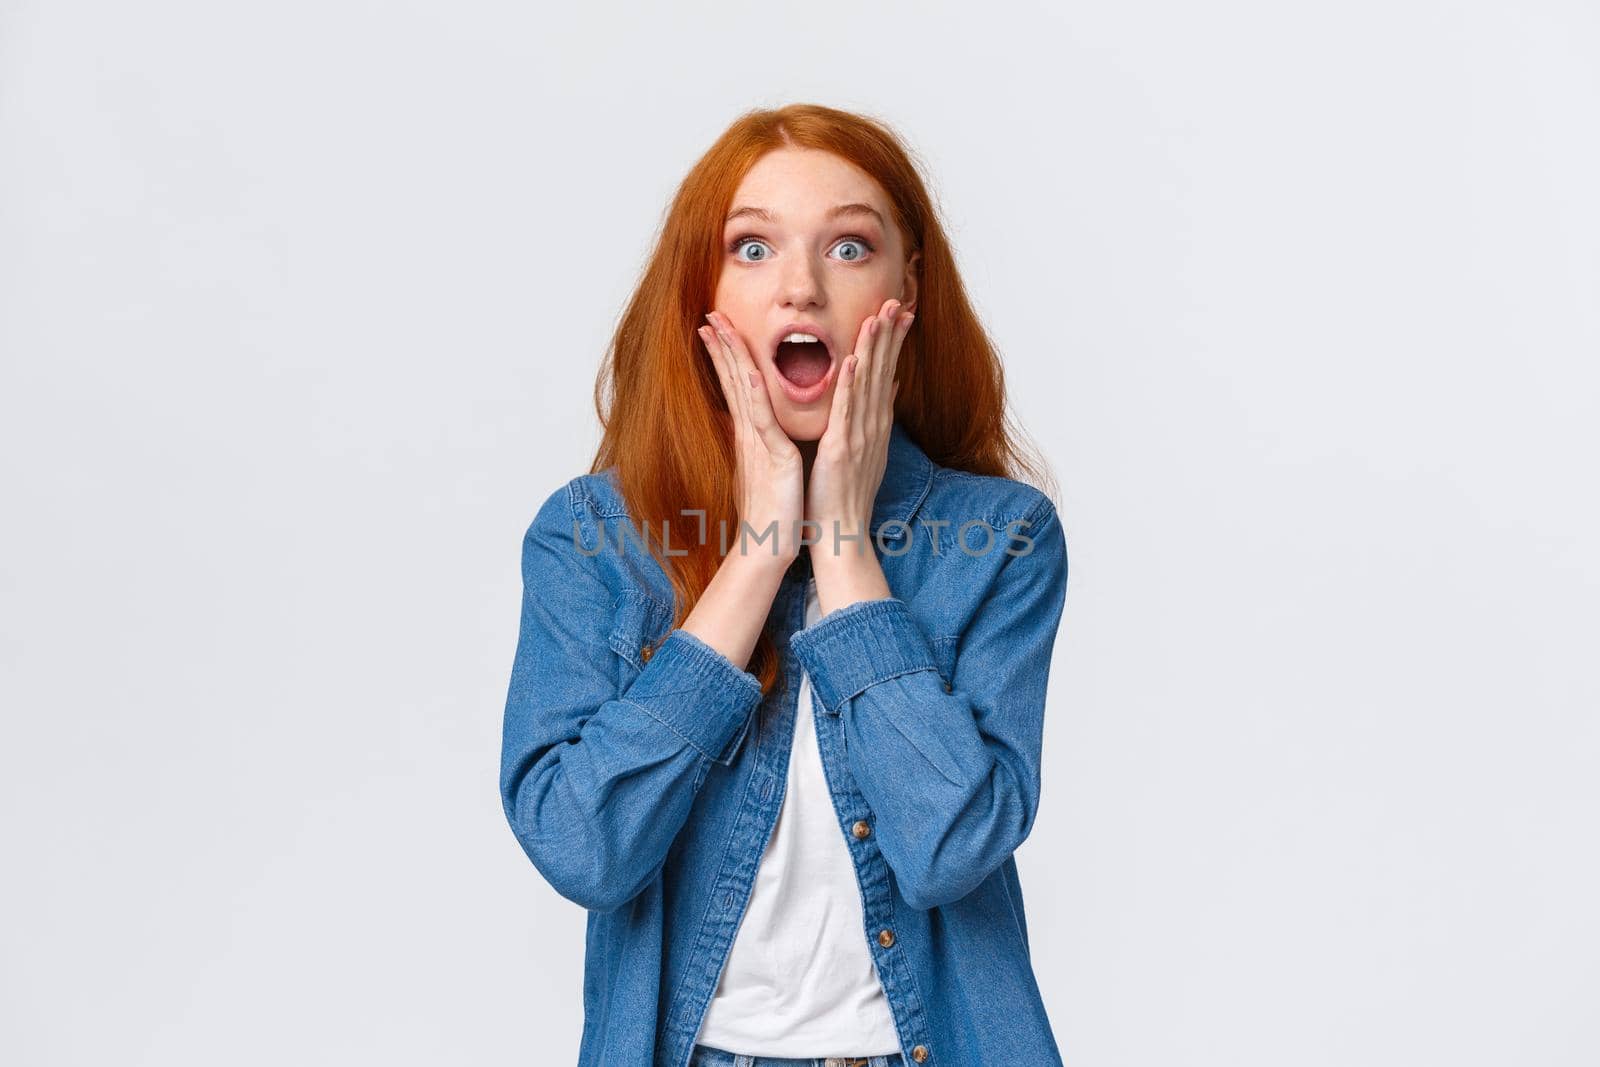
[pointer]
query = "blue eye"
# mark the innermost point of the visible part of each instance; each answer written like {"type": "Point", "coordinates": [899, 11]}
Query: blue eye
{"type": "Point", "coordinates": [741, 243]}
{"type": "Point", "coordinates": [856, 241]}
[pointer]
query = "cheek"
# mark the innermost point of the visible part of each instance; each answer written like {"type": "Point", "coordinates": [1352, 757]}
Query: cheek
{"type": "Point", "coordinates": [872, 300]}
{"type": "Point", "coordinates": [725, 298]}
{"type": "Point", "coordinates": [730, 302]}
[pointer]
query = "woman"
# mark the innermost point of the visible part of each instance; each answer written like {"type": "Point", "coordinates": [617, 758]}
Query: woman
{"type": "Point", "coordinates": [776, 710]}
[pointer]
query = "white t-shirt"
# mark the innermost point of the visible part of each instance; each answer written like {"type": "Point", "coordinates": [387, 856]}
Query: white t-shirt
{"type": "Point", "coordinates": [799, 980]}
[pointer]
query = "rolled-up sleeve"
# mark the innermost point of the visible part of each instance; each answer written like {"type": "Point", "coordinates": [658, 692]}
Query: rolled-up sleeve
{"type": "Point", "coordinates": [951, 773]}
{"type": "Point", "coordinates": [595, 782]}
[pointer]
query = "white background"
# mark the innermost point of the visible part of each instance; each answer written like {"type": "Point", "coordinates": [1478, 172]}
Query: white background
{"type": "Point", "coordinates": [300, 307]}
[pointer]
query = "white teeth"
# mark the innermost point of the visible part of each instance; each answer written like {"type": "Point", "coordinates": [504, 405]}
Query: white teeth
{"type": "Point", "coordinates": [803, 337]}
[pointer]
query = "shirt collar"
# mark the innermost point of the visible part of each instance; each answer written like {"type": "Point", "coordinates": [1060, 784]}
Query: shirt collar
{"type": "Point", "coordinates": [906, 480]}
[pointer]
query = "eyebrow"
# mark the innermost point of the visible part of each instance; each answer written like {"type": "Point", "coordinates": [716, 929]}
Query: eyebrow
{"type": "Point", "coordinates": [768, 217]}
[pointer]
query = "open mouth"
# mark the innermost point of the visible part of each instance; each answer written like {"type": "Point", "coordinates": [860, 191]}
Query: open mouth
{"type": "Point", "coordinates": [804, 361]}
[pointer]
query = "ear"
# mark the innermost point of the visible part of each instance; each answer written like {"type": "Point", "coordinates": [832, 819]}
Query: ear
{"type": "Point", "coordinates": [908, 289]}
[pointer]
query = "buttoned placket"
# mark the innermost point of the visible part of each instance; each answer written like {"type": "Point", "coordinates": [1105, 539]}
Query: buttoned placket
{"type": "Point", "coordinates": [756, 820]}
{"type": "Point", "coordinates": [872, 871]}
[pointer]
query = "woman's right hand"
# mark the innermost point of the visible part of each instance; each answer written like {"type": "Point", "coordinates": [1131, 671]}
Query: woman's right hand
{"type": "Point", "coordinates": [770, 477]}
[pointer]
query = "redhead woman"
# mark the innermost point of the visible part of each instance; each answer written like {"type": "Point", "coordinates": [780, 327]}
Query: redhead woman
{"type": "Point", "coordinates": [778, 698]}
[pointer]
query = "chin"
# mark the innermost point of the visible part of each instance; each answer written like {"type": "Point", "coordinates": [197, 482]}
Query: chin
{"type": "Point", "coordinates": [803, 426]}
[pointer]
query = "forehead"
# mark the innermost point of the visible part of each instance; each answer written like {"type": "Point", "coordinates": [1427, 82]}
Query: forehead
{"type": "Point", "coordinates": [801, 185]}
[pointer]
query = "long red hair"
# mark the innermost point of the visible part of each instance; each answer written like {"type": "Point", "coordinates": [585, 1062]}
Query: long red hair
{"type": "Point", "coordinates": [667, 429]}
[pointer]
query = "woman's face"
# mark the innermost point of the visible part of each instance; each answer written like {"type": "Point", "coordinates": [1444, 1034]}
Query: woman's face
{"type": "Point", "coordinates": [809, 246]}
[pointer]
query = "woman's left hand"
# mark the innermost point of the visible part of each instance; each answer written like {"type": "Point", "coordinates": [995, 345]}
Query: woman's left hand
{"type": "Point", "coordinates": [854, 449]}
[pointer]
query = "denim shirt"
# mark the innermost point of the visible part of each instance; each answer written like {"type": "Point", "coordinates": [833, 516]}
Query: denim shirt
{"type": "Point", "coordinates": [642, 771]}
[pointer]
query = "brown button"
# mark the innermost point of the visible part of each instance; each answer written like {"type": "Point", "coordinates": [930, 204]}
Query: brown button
{"type": "Point", "coordinates": [885, 938]}
{"type": "Point", "coordinates": [860, 829]}
{"type": "Point", "coordinates": [948, 688]}
{"type": "Point", "coordinates": [645, 653]}
{"type": "Point", "coordinates": [920, 1053]}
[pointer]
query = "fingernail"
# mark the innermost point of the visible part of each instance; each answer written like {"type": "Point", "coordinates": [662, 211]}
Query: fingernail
{"type": "Point", "coordinates": [755, 379]}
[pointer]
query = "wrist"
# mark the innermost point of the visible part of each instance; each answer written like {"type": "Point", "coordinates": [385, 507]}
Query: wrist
{"type": "Point", "coordinates": [842, 539]}
{"type": "Point", "coordinates": [770, 562]}
{"type": "Point", "coordinates": [844, 580]}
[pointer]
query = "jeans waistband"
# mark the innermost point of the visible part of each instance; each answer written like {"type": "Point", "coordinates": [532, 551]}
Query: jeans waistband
{"type": "Point", "coordinates": [706, 1056]}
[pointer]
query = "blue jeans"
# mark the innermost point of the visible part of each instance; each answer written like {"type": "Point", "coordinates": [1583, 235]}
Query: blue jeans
{"type": "Point", "coordinates": [706, 1056]}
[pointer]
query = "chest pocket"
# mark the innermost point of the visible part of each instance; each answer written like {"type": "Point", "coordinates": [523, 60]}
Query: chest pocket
{"type": "Point", "coordinates": [640, 623]}
{"type": "Point", "coordinates": [639, 626]}
{"type": "Point", "coordinates": [944, 658]}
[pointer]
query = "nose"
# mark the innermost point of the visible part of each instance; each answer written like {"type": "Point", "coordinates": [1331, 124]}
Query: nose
{"type": "Point", "coordinates": [801, 283]}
